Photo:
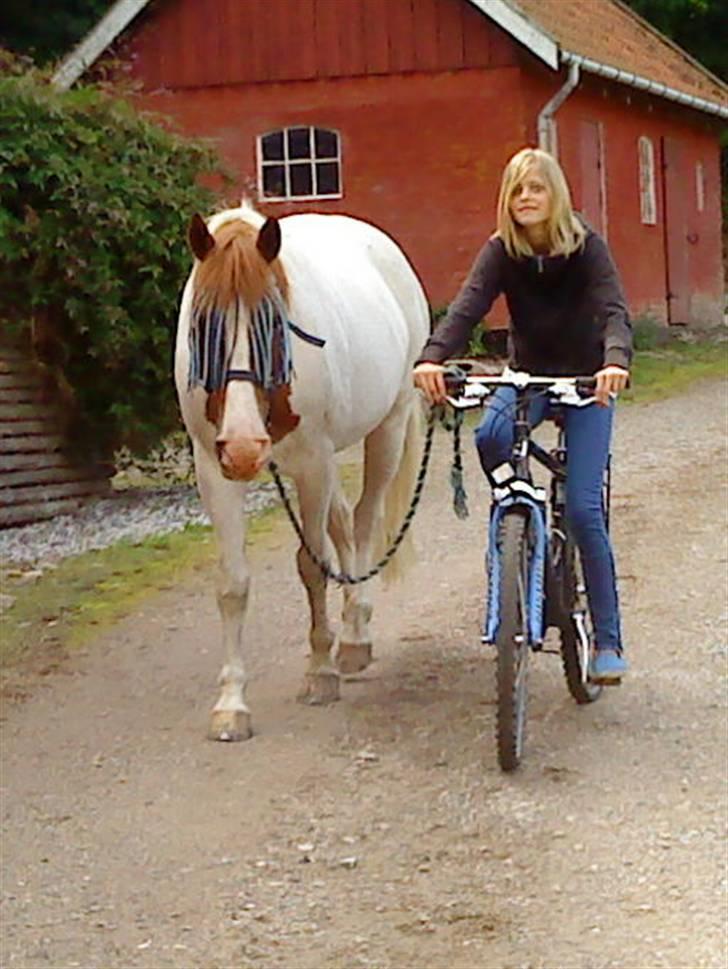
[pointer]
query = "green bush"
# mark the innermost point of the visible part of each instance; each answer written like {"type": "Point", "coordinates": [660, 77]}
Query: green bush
{"type": "Point", "coordinates": [649, 333]}
{"type": "Point", "coordinates": [94, 203]}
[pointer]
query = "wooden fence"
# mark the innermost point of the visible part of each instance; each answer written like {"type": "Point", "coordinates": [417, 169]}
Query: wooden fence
{"type": "Point", "coordinates": [37, 478]}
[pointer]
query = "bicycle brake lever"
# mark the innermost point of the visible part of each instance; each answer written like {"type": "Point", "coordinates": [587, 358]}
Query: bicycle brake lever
{"type": "Point", "coordinates": [470, 396]}
{"type": "Point", "coordinates": [463, 403]}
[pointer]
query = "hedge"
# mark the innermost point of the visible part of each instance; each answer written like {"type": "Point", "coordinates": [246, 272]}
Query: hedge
{"type": "Point", "coordinates": [94, 202]}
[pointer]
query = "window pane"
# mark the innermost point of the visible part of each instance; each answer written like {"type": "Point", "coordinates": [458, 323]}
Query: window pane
{"type": "Point", "coordinates": [326, 143]}
{"type": "Point", "coordinates": [273, 146]}
{"type": "Point", "coordinates": [327, 178]}
{"type": "Point", "coordinates": [274, 181]}
{"type": "Point", "coordinates": [299, 143]}
{"type": "Point", "coordinates": [301, 183]}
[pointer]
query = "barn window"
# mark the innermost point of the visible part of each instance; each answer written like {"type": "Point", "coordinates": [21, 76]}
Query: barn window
{"type": "Point", "coordinates": [648, 206]}
{"type": "Point", "coordinates": [299, 163]}
{"type": "Point", "coordinates": [699, 186]}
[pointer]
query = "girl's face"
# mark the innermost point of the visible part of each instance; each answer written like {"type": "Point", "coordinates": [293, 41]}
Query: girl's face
{"type": "Point", "coordinates": [530, 202]}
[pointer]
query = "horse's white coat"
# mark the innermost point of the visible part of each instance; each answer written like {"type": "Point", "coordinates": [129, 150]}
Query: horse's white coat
{"type": "Point", "coordinates": [350, 284]}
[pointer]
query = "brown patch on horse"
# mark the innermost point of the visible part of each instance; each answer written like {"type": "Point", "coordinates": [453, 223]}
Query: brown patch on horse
{"type": "Point", "coordinates": [236, 269]}
{"type": "Point", "coordinates": [214, 406]}
{"type": "Point", "coordinates": [281, 418]}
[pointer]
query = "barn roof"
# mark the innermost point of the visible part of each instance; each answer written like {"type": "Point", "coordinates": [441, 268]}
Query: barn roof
{"type": "Point", "coordinates": [613, 35]}
{"type": "Point", "coordinates": [624, 48]}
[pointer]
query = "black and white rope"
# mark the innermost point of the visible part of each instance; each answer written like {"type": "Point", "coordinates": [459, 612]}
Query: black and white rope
{"type": "Point", "coordinates": [344, 578]}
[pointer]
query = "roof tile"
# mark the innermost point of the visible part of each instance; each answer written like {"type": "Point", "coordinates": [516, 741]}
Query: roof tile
{"type": "Point", "coordinates": [609, 32]}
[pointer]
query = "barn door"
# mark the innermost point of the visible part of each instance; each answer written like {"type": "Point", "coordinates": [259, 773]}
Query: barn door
{"type": "Point", "coordinates": [675, 193]}
{"type": "Point", "coordinates": [593, 184]}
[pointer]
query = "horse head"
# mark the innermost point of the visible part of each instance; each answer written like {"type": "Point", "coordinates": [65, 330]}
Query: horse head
{"type": "Point", "coordinates": [239, 345]}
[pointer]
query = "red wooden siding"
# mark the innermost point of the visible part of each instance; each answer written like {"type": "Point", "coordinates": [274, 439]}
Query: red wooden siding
{"type": "Point", "coordinates": [193, 43]}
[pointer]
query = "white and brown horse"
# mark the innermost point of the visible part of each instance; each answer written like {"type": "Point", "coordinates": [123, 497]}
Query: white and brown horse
{"type": "Point", "coordinates": [296, 339]}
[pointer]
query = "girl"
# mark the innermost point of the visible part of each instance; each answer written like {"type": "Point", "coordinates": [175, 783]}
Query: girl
{"type": "Point", "coordinates": [568, 317]}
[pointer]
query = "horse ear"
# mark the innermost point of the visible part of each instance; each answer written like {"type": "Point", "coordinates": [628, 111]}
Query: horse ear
{"type": "Point", "coordinates": [269, 240]}
{"type": "Point", "coordinates": [200, 239]}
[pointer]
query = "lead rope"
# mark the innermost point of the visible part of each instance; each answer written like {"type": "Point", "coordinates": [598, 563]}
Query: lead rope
{"type": "Point", "coordinates": [459, 500]}
{"type": "Point", "coordinates": [459, 495]}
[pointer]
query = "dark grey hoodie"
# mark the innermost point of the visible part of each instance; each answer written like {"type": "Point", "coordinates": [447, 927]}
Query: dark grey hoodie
{"type": "Point", "coordinates": [568, 313]}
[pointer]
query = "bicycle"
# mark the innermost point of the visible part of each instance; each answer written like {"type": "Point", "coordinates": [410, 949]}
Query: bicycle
{"type": "Point", "coordinates": [535, 579]}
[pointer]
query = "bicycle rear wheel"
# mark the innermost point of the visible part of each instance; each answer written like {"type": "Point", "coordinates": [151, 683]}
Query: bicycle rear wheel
{"type": "Point", "coordinates": [512, 640]}
{"type": "Point", "coordinates": [577, 636]}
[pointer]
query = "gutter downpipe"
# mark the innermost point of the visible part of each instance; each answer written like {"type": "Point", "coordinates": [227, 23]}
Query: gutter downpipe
{"type": "Point", "coordinates": [643, 84]}
{"type": "Point", "coordinates": [546, 126]}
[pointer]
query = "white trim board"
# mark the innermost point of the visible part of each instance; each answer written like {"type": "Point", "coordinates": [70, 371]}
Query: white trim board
{"type": "Point", "coordinates": [114, 21]}
{"type": "Point", "coordinates": [521, 29]}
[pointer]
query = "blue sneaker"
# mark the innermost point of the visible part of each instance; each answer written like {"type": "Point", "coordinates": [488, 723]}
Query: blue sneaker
{"type": "Point", "coordinates": [607, 666]}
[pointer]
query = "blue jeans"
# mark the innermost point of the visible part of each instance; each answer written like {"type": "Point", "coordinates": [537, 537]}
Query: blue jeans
{"type": "Point", "coordinates": [588, 435]}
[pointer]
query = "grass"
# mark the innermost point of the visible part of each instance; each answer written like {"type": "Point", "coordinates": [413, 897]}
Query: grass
{"type": "Point", "coordinates": [66, 606]}
{"type": "Point", "coordinates": [660, 373]}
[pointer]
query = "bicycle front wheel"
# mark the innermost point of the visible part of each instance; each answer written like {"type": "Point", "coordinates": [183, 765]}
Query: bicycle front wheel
{"type": "Point", "coordinates": [512, 640]}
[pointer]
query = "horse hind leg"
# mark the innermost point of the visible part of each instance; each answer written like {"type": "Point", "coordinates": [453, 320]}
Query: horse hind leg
{"type": "Point", "coordinates": [355, 646]}
{"type": "Point", "coordinates": [321, 680]}
{"type": "Point", "coordinates": [383, 449]}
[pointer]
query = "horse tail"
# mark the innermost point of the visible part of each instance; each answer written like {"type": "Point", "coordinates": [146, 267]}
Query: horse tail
{"type": "Point", "coordinates": [398, 497]}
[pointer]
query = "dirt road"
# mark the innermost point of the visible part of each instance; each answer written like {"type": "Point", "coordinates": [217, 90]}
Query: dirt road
{"type": "Point", "coordinates": [379, 832]}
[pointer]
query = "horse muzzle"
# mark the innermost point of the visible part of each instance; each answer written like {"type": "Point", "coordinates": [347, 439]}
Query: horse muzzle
{"type": "Point", "coordinates": [241, 460]}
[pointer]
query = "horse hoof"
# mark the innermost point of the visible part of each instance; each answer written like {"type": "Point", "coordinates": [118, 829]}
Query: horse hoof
{"type": "Point", "coordinates": [319, 689]}
{"type": "Point", "coordinates": [353, 657]}
{"type": "Point", "coordinates": [230, 726]}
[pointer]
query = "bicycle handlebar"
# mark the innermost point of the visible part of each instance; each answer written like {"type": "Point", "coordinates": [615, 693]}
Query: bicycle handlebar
{"type": "Point", "coordinates": [468, 389]}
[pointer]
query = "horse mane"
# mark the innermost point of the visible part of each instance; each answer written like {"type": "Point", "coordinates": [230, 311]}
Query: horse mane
{"type": "Point", "coordinates": [235, 269]}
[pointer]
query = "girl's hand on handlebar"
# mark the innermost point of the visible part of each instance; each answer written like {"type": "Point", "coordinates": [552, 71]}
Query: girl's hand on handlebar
{"type": "Point", "coordinates": [610, 381]}
{"type": "Point", "coordinates": [430, 379]}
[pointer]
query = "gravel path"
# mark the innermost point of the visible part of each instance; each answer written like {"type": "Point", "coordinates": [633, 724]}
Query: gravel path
{"type": "Point", "coordinates": [379, 832]}
{"type": "Point", "coordinates": [129, 515]}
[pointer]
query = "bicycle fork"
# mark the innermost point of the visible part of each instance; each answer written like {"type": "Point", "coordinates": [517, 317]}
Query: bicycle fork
{"type": "Point", "coordinates": [534, 509]}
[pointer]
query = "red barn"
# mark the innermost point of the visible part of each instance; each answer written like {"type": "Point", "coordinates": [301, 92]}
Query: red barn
{"type": "Point", "coordinates": [403, 112]}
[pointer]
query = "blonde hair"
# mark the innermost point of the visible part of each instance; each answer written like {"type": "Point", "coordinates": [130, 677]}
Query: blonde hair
{"type": "Point", "coordinates": [564, 232]}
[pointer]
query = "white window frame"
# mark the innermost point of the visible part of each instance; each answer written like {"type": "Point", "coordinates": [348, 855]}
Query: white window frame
{"type": "Point", "coordinates": [286, 162]}
{"type": "Point", "coordinates": [646, 165]}
{"type": "Point", "coordinates": [700, 186]}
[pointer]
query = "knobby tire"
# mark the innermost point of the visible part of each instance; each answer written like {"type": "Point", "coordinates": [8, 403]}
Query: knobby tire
{"type": "Point", "coordinates": [512, 640]}
{"type": "Point", "coordinates": [574, 600]}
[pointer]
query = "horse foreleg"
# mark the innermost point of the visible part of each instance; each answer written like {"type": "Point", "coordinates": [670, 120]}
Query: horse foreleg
{"type": "Point", "coordinates": [321, 681]}
{"type": "Point", "coordinates": [223, 501]}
